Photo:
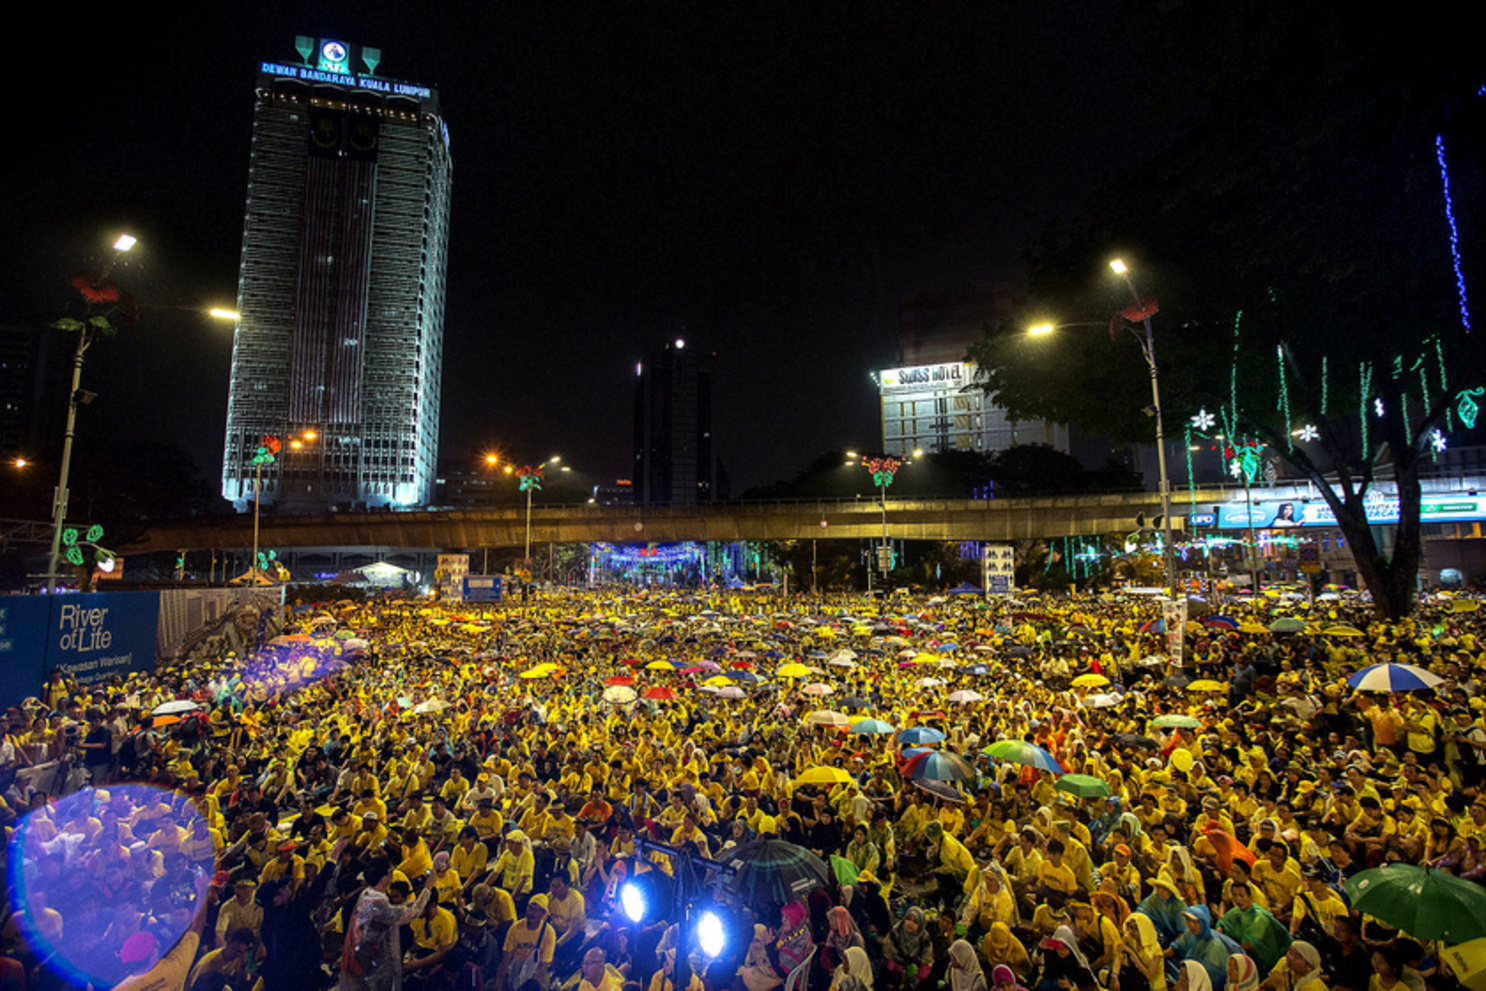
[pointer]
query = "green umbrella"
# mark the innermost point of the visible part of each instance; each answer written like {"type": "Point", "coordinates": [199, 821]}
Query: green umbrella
{"type": "Point", "coordinates": [1176, 720]}
{"type": "Point", "coordinates": [1423, 902]}
{"type": "Point", "coordinates": [1083, 785]}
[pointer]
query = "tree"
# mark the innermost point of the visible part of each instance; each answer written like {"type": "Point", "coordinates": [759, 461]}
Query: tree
{"type": "Point", "coordinates": [1311, 265]}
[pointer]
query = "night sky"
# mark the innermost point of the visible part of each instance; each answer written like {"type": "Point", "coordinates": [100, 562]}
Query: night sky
{"type": "Point", "coordinates": [768, 181]}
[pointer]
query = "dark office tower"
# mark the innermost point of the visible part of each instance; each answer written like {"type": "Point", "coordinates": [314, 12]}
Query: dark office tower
{"type": "Point", "coordinates": [674, 463]}
{"type": "Point", "coordinates": [341, 286]}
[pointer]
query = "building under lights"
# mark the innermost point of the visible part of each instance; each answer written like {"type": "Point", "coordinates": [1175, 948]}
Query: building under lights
{"type": "Point", "coordinates": [341, 285]}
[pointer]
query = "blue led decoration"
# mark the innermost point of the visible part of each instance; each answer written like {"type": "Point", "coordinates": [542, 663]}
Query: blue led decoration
{"type": "Point", "coordinates": [1439, 153]}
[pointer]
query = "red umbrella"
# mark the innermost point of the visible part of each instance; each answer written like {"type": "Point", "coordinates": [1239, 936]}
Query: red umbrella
{"type": "Point", "coordinates": [619, 680]}
{"type": "Point", "coordinates": [661, 694]}
{"type": "Point", "coordinates": [742, 665]}
{"type": "Point", "coordinates": [692, 670]}
{"type": "Point", "coordinates": [633, 662]}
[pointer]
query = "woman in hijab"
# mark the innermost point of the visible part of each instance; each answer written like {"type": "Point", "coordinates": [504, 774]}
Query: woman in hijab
{"type": "Point", "coordinates": [1002, 979]}
{"type": "Point", "coordinates": [1001, 948]}
{"type": "Point", "coordinates": [909, 949]}
{"type": "Point", "coordinates": [1193, 977]}
{"type": "Point", "coordinates": [1243, 973]}
{"type": "Point", "coordinates": [1062, 965]}
{"type": "Point", "coordinates": [795, 942]}
{"type": "Point", "coordinates": [758, 972]}
{"type": "Point", "coordinates": [1299, 971]}
{"type": "Point", "coordinates": [1202, 944]}
{"type": "Point", "coordinates": [990, 902]}
{"type": "Point", "coordinates": [1164, 907]}
{"type": "Point", "coordinates": [841, 935]}
{"type": "Point", "coordinates": [1139, 964]}
{"type": "Point", "coordinates": [964, 969]}
{"type": "Point", "coordinates": [854, 973]}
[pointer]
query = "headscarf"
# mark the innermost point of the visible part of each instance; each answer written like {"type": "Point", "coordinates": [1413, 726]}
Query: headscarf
{"type": "Point", "coordinates": [911, 945]}
{"type": "Point", "coordinates": [1248, 973]}
{"type": "Point", "coordinates": [1207, 947]}
{"type": "Point", "coordinates": [861, 966]}
{"type": "Point", "coordinates": [1065, 935]}
{"type": "Point", "coordinates": [843, 932]}
{"type": "Point", "coordinates": [795, 942]}
{"type": "Point", "coordinates": [964, 968]}
{"type": "Point", "coordinates": [1003, 974]}
{"type": "Point", "coordinates": [1001, 947]}
{"type": "Point", "coordinates": [1197, 977]}
{"type": "Point", "coordinates": [1313, 961]}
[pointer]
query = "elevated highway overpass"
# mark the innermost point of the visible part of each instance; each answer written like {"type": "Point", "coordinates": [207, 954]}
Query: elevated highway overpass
{"type": "Point", "coordinates": [927, 519]}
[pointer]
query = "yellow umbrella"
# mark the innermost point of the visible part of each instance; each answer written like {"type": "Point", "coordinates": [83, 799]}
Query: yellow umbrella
{"type": "Point", "coordinates": [718, 681]}
{"type": "Point", "coordinates": [1465, 605]}
{"type": "Point", "coordinates": [659, 666]}
{"type": "Point", "coordinates": [1207, 685]}
{"type": "Point", "coordinates": [823, 775]}
{"type": "Point", "coordinates": [1342, 631]}
{"type": "Point", "coordinates": [1468, 961]}
{"type": "Point", "coordinates": [1090, 680]}
{"type": "Point", "coordinates": [1252, 628]}
{"type": "Point", "coordinates": [792, 670]}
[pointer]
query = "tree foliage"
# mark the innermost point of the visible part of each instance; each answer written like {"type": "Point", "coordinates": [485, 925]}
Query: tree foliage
{"type": "Point", "coordinates": [1295, 232]}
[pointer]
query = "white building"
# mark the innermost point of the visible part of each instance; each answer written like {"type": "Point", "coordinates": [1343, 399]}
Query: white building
{"type": "Point", "coordinates": [937, 408]}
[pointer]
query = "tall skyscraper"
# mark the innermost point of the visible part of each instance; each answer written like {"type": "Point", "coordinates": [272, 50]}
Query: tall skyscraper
{"type": "Point", "coordinates": [341, 285]}
{"type": "Point", "coordinates": [674, 463]}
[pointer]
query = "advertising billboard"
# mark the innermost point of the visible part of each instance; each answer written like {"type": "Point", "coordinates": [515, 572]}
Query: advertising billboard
{"type": "Point", "coordinates": [1381, 509]}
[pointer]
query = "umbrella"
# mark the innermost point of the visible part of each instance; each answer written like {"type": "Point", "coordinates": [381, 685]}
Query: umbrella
{"type": "Point", "coordinates": [730, 692]}
{"type": "Point", "coordinates": [1287, 624]}
{"type": "Point", "coordinates": [875, 727]}
{"type": "Point", "coordinates": [965, 695]}
{"type": "Point", "coordinates": [793, 670]}
{"type": "Point", "coordinates": [854, 702]}
{"type": "Point", "coordinates": [819, 688]}
{"type": "Point", "coordinates": [745, 676]}
{"type": "Point", "coordinates": [1423, 902]}
{"type": "Point", "coordinates": [976, 669]}
{"type": "Point", "coordinates": [1131, 740]}
{"type": "Point", "coordinates": [827, 717]}
{"type": "Point", "coordinates": [661, 694]}
{"type": "Point", "coordinates": [620, 695]}
{"type": "Point", "coordinates": [1221, 622]}
{"type": "Point", "coordinates": [822, 775]}
{"type": "Point", "coordinates": [920, 734]}
{"type": "Point", "coordinates": [619, 680]}
{"type": "Point", "coordinates": [1468, 962]}
{"type": "Point", "coordinates": [432, 705]}
{"type": "Point", "coordinates": [1343, 631]}
{"type": "Point", "coordinates": [939, 789]}
{"type": "Point", "coordinates": [1082, 785]}
{"type": "Point", "coordinates": [660, 666]}
{"type": "Point", "coordinates": [928, 683]}
{"type": "Point", "coordinates": [1393, 678]}
{"type": "Point", "coordinates": [174, 708]}
{"type": "Point", "coordinates": [1177, 680]}
{"type": "Point", "coordinates": [1090, 680]}
{"type": "Point", "coordinates": [938, 765]}
{"type": "Point", "coordinates": [1175, 720]}
{"type": "Point", "coordinates": [1104, 701]}
{"type": "Point", "coordinates": [772, 872]}
{"type": "Point", "coordinates": [1206, 685]}
{"type": "Point", "coordinates": [1017, 752]}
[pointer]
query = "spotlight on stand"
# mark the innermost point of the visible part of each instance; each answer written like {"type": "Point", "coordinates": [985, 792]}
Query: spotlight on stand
{"type": "Point", "coordinates": [646, 897]}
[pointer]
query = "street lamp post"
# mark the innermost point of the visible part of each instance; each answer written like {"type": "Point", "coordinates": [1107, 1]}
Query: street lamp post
{"type": "Point", "coordinates": [268, 449]}
{"type": "Point", "coordinates": [94, 289]}
{"type": "Point", "coordinates": [883, 469]}
{"type": "Point", "coordinates": [1142, 310]}
{"type": "Point", "coordinates": [531, 478]}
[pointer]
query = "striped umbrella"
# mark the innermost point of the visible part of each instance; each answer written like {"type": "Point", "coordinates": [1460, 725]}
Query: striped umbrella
{"type": "Point", "coordinates": [1018, 752]}
{"type": "Point", "coordinates": [1393, 678]}
{"type": "Point", "coordinates": [939, 765]}
{"type": "Point", "coordinates": [772, 872]}
{"type": "Point", "coordinates": [920, 734]}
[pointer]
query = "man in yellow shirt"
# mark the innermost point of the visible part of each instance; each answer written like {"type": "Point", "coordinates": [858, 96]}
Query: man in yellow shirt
{"type": "Point", "coordinates": [231, 958]}
{"type": "Point", "coordinates": [567, 912]}
{"type": "Point", "coordinates": [240, 912]}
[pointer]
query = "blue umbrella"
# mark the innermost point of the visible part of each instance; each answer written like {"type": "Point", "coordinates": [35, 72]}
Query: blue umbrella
{"type": "Point", "coordinates": [747, 676]}
{"type": "Point", "coordinates": [936, 765]}
{"type": "Point", "coordinates": [874, 726]}
{"type": "Point", "coordinates": [920, 734]}
{"type": "Point", "coordinates": [1393, 678]}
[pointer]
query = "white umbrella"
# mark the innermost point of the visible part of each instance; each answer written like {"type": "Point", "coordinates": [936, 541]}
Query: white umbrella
{"type": "Point", "coordinates": [175, 707]}
{"type": "Point", "coordinates": [432, 705]}
{"type": "Point", "coordinates": [827, 717]}
{"type": "Point", "coordinates": [965, 695]}
{"type": "Point", "coordinates": [819, 688]}
{"type": "Point", "coordinates": [616, 694]}
{"type": "Point", "coordinates": [1104, 701]}
{"type": "Point", "coordinates": [730, 692]}
{"type": "Point", "coordinates": [842, 663]}
{"type": "Point", "coordinates": [928, 683]}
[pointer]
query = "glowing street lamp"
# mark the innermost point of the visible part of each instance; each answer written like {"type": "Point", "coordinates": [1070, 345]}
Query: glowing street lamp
{"type": "Point", "coordinates": [883, 469]}
{"type": "Point", "coordinates": [96, 290]}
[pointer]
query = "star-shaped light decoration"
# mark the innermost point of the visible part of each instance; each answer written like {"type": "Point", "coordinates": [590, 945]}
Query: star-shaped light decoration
{"type": "Point", "coordinates": [1204, 420]}
{"type": "Point", "coordinates": [1235, 468]}
{"type": "Point", "coordinates": [1308, 432]}
{"type": "Point", "coordinates": [1437, 441]}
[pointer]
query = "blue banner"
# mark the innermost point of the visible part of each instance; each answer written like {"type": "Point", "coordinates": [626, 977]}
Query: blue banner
{"type": "Point", "coordinates": [23, 622]}
{"type": "Point", "coordinates": [482, 588]}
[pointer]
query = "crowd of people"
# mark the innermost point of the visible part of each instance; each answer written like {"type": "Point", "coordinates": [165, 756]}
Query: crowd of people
{"type": "Point", "coordinates": [408, 794]}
